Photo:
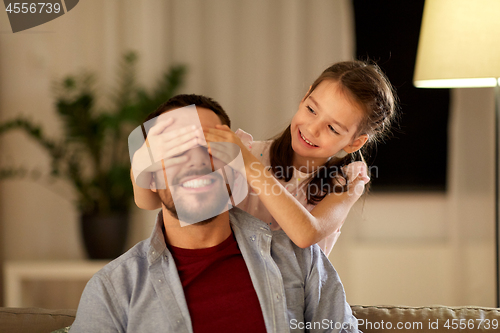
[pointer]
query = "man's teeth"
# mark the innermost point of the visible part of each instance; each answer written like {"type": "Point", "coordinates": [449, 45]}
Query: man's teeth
{"type": "Point", "coordinates": [309, 142]}
{"type": "Point", "coordinates": [196, 183]}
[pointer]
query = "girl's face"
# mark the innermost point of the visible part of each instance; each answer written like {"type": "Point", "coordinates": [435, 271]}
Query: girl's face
{"type": "Point", "coordinates": [325, 123]}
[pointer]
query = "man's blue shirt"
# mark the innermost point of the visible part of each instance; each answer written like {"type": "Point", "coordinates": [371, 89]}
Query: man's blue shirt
{"type": "Point", "coordinates": [298, 289]}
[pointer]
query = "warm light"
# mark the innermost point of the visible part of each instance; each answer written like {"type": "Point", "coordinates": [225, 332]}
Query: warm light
{"type": "Point", "coordinates": [459, 47]}
{"type": "Point", "coordinates": [459, 44]}
{"type": "Point", "coordinates": [457, 83]}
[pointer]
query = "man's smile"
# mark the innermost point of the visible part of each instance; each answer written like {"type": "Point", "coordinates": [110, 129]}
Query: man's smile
{"type": "Point", "coordinates": [198, 183]}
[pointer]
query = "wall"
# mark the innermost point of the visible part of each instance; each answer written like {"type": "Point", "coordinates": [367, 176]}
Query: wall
{"type": "Point", "coordinates": [257, 58]}
{"type": "Point", "coordinates": [421, 249]}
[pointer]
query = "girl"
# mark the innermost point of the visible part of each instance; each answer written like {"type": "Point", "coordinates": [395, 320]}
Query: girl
{"type": "Point", "coordinates": [306, 180]}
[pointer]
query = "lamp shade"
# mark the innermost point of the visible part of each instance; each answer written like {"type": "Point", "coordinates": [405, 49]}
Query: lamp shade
{"type": "Point", "coordinates": [459, 44]}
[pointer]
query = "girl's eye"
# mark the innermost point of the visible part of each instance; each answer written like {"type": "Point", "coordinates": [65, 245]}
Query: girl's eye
{"type": "Point", "coordinates": [332, 129]}
{"type": "Point", "coordinates": [311, 110]}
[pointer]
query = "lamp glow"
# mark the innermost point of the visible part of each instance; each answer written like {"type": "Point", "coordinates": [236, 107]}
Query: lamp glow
{"type": "Point", "coordinates": [459, 47]}
{"type": "Point", "coordinates": [457, 83]}
{"type": "Point", "coordinates": [459, 44]}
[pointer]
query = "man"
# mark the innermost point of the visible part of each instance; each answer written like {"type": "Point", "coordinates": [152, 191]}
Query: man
{"type": "Point", "coordinates": [224, 271]}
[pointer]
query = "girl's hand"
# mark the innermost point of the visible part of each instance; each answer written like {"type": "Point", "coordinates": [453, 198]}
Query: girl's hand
{"type": "Point", "coordinates": [164, 144]}
{"type": "Point", "coordinates": [357, 177]}
{"type": "Point", "coordinates": [218, 139]}
{"type": "Point", "coordinates": [357, 171]}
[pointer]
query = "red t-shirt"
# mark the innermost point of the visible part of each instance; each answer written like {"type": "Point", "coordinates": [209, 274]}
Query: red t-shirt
{"type": "Point", "coordinates": [218, 289]}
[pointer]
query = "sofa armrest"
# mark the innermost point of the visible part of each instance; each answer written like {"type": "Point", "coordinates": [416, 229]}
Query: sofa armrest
{"type": "Point", "coordinates": [34, 320]}
{"type": "Point", "coordinates": [374, 319]}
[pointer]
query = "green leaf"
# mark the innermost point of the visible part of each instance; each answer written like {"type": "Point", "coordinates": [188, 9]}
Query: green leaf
{"type": "Point", "coordinates": [93, 155]}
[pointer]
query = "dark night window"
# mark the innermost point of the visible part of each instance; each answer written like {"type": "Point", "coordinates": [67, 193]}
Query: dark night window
{"type": "Point", "coordinates": [415, 158]}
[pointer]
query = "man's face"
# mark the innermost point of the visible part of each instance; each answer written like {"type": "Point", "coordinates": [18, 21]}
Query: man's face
{"type": "Point", "coordinates": [194, 192]}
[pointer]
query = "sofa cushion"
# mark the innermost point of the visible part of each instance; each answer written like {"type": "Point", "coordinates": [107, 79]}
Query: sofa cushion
{"type": "Point", "coordinates": [34, 320]}
{"type": "Point", "coordinates": [436, 319]}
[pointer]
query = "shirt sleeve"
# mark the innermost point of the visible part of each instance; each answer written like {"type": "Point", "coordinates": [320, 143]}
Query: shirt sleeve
{"type": "Point", "coordinates": [325, 301]}
{"type": "Point", "coordinates": [98, 310]}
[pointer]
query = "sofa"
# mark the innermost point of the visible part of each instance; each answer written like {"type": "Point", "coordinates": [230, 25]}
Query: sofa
{"type": "Point", "coordinates": [372, 319]}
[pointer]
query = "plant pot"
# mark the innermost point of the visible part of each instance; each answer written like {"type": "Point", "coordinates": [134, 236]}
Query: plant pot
{"type": "Point", "coordinates": [104, 236]}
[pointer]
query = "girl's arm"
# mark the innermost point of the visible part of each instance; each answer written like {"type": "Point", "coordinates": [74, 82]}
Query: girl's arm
{"type": "Point", "coordinates": [303, 227]}
{"type": "Point", "coordinates": [145, 198]}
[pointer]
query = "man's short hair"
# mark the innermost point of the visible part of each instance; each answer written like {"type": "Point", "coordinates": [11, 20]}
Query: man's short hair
{"type": "Point", "coordinates": [180, 101]}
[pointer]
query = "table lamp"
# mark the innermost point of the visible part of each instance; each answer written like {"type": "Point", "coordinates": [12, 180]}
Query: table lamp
{"type": "Point", "coordinates": [459, 47]}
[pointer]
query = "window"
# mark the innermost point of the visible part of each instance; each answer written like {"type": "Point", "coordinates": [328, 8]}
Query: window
{"type": "Point", "coordinates": [415, 158]}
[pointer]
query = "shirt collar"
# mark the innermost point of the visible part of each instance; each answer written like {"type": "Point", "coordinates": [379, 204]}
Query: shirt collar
{"type": "Point", "coordinates": [237, 217]}
{"type": "Point", "coordinates": [157, 240]}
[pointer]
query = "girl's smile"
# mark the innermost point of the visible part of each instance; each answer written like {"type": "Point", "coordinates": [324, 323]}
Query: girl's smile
{"type": "Point", "coordinates": [307, 143]}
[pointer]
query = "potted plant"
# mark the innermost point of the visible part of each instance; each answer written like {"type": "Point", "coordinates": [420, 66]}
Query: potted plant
{"type": "Point", "coordinates": [93, 154]}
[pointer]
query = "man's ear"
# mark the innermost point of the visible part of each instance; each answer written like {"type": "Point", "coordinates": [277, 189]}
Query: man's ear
{"type": "Point", "coordinates": [356, 144]}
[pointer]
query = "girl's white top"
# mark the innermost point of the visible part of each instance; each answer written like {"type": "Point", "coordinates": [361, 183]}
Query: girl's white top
{"type": "Point", "coordinates": [297, 186]}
